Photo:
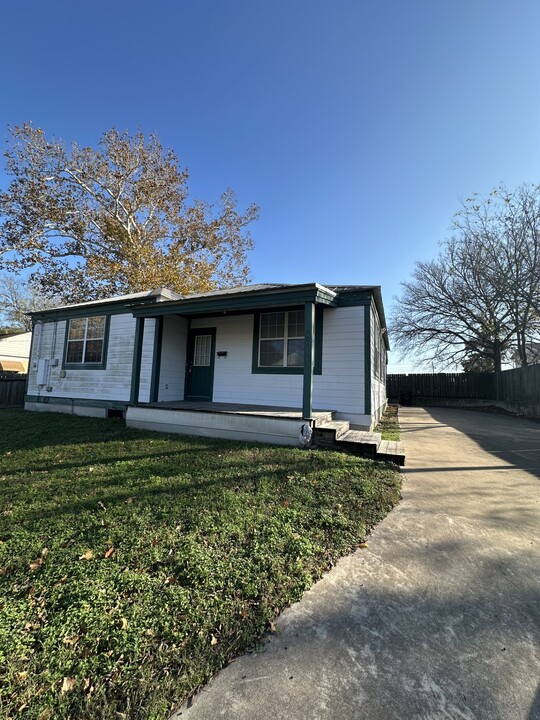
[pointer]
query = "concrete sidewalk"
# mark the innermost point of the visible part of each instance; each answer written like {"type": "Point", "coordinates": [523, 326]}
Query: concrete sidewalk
{"type": "Point", "coordinates": [439, 617]}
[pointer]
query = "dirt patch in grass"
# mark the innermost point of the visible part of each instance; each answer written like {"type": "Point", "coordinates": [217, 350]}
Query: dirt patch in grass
{"type": "Point", "coordinates": [389, 424]}
{"type": "Point", "coordinates": [134, 565]}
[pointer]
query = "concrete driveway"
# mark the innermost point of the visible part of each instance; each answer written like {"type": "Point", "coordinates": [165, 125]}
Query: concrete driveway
{"type": "Point", "coordinates": [439, 617]}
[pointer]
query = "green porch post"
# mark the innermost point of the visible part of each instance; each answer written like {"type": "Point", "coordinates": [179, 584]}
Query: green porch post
{"type": "Point", "coordinates": [137, 357]}
{"type": "Point", "coordinates": [309, 359]}
{"type": "Point", "coordinates": [156, 359]}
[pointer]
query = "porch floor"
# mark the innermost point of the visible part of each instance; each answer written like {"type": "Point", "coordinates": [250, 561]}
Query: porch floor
{"type": "Point", "coordinates": [237, 409]}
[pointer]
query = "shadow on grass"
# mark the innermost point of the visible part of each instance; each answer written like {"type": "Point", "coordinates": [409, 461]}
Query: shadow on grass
{"type": "Point", "coordinates": [25, 430]}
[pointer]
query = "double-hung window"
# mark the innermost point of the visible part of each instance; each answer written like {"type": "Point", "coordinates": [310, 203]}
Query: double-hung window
{"type": "Point", "coordinates": [281, 341]}
{"type": "Point", "coordinates": [85, 345]}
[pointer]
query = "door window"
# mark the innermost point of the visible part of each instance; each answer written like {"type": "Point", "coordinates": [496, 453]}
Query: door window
{"type": "Point", "coordinates": [202, 351]}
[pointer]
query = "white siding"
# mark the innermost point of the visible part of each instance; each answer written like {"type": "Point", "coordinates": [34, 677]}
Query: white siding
{"type": "Point", "coordinates": [378, 380]}
{"type": "Point", "coordinates": [16, 348]}
{"type": "Point", "coordinates": [112, 383]}
{"type": "Point", "coordinates": [233, 381]}
{"type": "Point", "coordinates": [173, 358]}
{"type": "Point", "coordinates": [340, 387]}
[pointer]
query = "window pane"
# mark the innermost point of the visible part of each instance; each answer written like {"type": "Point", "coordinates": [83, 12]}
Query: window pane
{"type": "Point", "coordinates": [202, 350]}
{"type": "Point", "coordinates": [74, 351]}
{"type": "Point", "coordinates": [96, 327]}
{"type": "Point", "coordinates": [273, 325]}
{"type": "Point", "coordinates": [76, 328]}
{"type": "Point", "coordinates": [93, 351]}
{"type": "Point", "coordinates": [295, 353]}
{"type": "Point", "coordinates": [271, 353]}
{"type": "Point", "coordinates": [296, 324]}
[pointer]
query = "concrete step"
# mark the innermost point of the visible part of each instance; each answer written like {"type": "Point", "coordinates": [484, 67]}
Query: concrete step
{"type": "Point", "coordinates": [337, 435]}
{"type": "Point", "coordinates": [391, 451]}
{"type": "Point", "coordinates": [323, 417]}
{"type": "Point", "coordinates": [337, 427]}
{"type": "Point", "coordinates": [361, 437]}
{"type": "Point", "coordinates": [359, 442]}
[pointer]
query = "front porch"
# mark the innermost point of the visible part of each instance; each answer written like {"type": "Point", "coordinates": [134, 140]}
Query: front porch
{"type": "Point", "coordinates": [233, 421]}
{"type": "Point", "coordinates": [262, 423]}
{"type": "Point", "coordinates": [238, 409]}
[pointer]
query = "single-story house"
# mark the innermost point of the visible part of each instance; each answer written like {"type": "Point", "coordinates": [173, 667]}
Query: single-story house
{"type": "Point", "coordinates": [14, 352]}
{"type": "Point", "coordinates": [262, 362]}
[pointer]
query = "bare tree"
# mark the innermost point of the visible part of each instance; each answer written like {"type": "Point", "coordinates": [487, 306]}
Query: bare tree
{"type": "Point", "coordinates": [479, 301]}
{"type": "Point", "coordinates": [18, 297]}
{"type": "Point", "coordinates": [96, 222]}
{"type": "Point", "coordinates": [506, 228]}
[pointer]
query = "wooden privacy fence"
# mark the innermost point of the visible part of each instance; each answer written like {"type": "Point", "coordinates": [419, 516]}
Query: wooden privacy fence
{"type": "Point", "coordinates": [458, 386]}
{"type": "Point", "coordinates": [517, 390]}
{"type": "Point", "coordinates": [520, 386]}
{"type": "Point", "coordinates": [12, 389]}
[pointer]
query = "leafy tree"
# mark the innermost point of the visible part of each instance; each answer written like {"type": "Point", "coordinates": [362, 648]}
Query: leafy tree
{"type": "Point", "coordinates": [17, 298]}
{"type": "Point", "coordinates": [479, 301]}
{"type": "Point", "coordinates": [94, 222]}
{"type": "Point", "coordinates": [477, 363]}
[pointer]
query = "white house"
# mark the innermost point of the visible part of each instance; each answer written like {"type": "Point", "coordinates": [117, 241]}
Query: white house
{"type": "Point", "coordinates": [261, 362]}
{"type": "Point", "coordinates": [14, 352]}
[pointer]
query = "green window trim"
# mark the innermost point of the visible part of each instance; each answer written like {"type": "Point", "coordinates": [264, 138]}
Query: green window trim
{"type": "Point", "coordinates": [102, 364]}
{"type": "Point", "coordinates": [256, 369]}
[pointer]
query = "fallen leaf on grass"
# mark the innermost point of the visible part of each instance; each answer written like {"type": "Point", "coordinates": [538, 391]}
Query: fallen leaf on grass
{"type": "Point", "coordinates": [109, 552]}
{"type": "Point", "coordinates": [213, 641]}
{"type": "Point", "coordinates": [36, 563]}
{"type": "Point", "coordinates": [23, 675]}
{"type": "Point", "coordinates": [68, 685]}
{"type": "Point", "coordinates": [272, 626]}
{"type": "Point", "coordinates": [363, 545]}
{"type": "Point", "coordinates": [88, 555]}
{"type": "Point", "coordinates": [101, 505]}
{"type": "Point", "coordinates": [70, 640]}
{"type": "Point", "coordinates": [124, 624]}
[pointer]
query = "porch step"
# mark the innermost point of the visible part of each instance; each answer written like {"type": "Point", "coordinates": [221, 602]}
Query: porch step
{"type": "Point", "coordinates": [329, 431]}
{"type": "Point", "coordinates": [391, 451]}
{"type": "Point", "coordinates": [337, 435]}
{"type": "Point", "coordinates": [359, 442]}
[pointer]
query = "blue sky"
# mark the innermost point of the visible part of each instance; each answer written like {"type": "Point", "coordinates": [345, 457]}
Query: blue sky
{"type": "Point", "coordinates": [356, 126]}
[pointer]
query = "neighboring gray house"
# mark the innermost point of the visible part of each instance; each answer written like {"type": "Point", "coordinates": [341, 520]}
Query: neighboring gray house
{"type": "Point", "coordinates": [258, 362]}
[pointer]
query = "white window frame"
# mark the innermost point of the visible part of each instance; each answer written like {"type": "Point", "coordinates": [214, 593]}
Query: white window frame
{"type": "Point", "coordinates": [85, 339]}
{"type": "Point", "coordinates": [285, 339]}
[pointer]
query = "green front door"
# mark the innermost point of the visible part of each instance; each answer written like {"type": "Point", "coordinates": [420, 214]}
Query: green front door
{"type": "Point", "coordinates": [201, 353]}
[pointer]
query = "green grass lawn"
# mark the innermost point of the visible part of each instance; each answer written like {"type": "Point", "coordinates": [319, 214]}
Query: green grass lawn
{"type": "Point", "coordinates": [389, 424]}
{"type": "Point", "coordinates": [134, 565]}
